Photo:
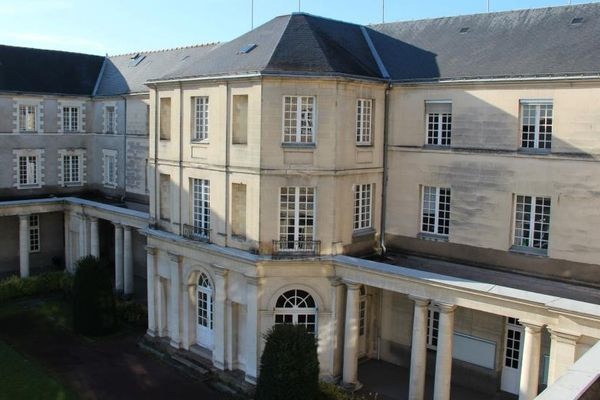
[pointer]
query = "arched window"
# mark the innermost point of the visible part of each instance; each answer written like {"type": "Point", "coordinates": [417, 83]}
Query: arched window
{"type": "Point", "coordinates": [205, 309]}
{"type": "Point", "coordinates": [297, 307]}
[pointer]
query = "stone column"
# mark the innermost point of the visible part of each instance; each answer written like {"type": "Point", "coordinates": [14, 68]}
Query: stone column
{"type": "Point", "coordinates": [443, 359]}
{"type": "Point", "coordinates": [119, 258]}
{"type": "Point", "coordinates": [229, 337]}
{"type": "Point", "coordinates": [161, 307]}
{"type": "Point", "coordinates": [418, 355]}
{"type": "Point", "coordinates": [530, 361]}
{"type": "Point", "coordinates": [338, 307]}
{"type": "Point", "coordinates": [174, 317]}
{"type": "Point", "coordinates": [83, 251]}
{"type": "Point", "coordinates": [252, 334]}
{"type": "Point", "coordinates": [94, 239]}
{"type": "Point", "coordinates": [151, 286]}
{"type": "Point", "coordinates": [67, 232]}
{"type": "Point", "coordinates": [127, 261]}
{"type": "Point", "coordinates": [220, 319]}
{"type": "Point", "coordinates": [562, 352]}
{"type": "Point", "coordinates": [24, 245]}
{"type": "Point", "coordinates": [350, 370]}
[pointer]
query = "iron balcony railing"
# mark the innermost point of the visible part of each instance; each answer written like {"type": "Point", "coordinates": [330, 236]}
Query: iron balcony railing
{"type": "Point", "coordinates": [196, 233]}
{"type": "Point", "coordinates": [296, 248]}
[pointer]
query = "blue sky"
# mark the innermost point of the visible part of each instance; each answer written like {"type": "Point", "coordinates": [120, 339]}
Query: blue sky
{"type": "Point", "coordinates": [123, 26]}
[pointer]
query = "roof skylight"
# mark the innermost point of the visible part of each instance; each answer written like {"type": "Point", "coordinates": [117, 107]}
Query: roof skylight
{"type": "Point", "coordinates": [247, 48]}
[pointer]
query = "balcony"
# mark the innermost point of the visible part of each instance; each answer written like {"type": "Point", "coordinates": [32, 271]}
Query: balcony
{"type": "Point", "coordinates": [283, 249]}
{"type": "Point", "coordinates": [196, 233]}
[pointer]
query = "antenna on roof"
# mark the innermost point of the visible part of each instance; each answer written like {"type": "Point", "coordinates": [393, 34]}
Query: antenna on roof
{"type": "Point", "coordinates": [299, 5]}
{"type": "Point", "coordinates": [382, 11]}
{"type": "Point", "coordinates": [252, 16]}
{"type": "Point", "coordinates": [488, 5]}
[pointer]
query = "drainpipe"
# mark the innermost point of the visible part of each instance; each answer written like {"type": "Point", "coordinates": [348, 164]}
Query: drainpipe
{"type": "Point", "coordinates": [124, 150]}
{"type": "Point", "coordinates": [180, 158]}
{"type": "Point", "coordinates": [386, 113]}
{"type": "Point", "coordinates": [227, 158]}
{"type": "Point", "coordinates": [156, 139]}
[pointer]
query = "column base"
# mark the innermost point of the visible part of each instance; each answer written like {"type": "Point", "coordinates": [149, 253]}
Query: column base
{"type": "Point", "coordinates": [151, 333]}
{"type": "Point", "coordinates": [351, 387]}
{"type": "Point", "coordinates": [219, 365]}
{"type": "Point", "coordinates": [175, 344]}
{"type": "Point", "coordinates": [251, 379]}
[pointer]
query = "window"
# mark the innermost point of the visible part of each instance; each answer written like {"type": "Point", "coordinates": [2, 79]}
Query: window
{"type": "Point", "coordinates": [71, 169]}
{"type": "Point", "coordinates": [70, 119]}
{"type": "Point", "coordinates": [514, 331]}
{"type": "Point", "coordinates": [364, 115]}
{"type": "Point", "coordinates": [27, 118]}
{"type": "Point", "coordinates": [433, 326]}
{"type": "Point", "coordinates": [439, 123]}
{"type": "Point", "coordinates": [238, 210]}
{"type": "Point", "coordinates": [536, 123]}
{"type": "Point", "coordinates": [296, 218]}
{"type": "Point", "coordinates": [201, 207]}
{"type": "Point", "coordinates": [110, 168]}
{"type": "Point", "coordinates": [297, 307]}
{"type": "Point", "coordinates": [165, 118]}
{"type": "Point", "coordinates": [110, 119]}
{"type": "Point", "coordinates": [435, 216]}
{"type": "Point", "coordinates": [34, 233]}
{"type": "Point", "coordinates": [200, 117]}
{"type": "Point", "coordinates": [165, 196]}
{"type": "Point", "coordinates": [363, 198]}
{"type": "Point", "coordinates": [362, 311]}
{"type": "Point", "coordinates": [28, 170]}
{"type": "Point", "coordinates": [298, 119]}
{"type": "Point", "coordinates": [205, 302]}
{"type": "Point", "coordinates": [532, 222]}
{"type": "Point", "coordinates": [239, 120]}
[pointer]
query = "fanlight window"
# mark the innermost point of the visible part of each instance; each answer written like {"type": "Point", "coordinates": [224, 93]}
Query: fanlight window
{"type": "Point", "coordinates": [297, 307]}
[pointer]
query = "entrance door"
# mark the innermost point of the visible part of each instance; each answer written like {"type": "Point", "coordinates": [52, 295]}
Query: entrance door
{"type": "Point", "coordinates": [362, 323]}
{"type": "Point", "coordinates": [204, 329]}
{"type": "Point", "coordinates": [511, 370]}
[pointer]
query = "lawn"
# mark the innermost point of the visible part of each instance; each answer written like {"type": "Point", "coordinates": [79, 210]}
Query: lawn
{"type": "Point", "coordinates": [21, 378]}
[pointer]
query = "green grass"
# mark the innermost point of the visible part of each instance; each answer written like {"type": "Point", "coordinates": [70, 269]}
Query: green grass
{"type": "Point", "coordinates": [21, 378]}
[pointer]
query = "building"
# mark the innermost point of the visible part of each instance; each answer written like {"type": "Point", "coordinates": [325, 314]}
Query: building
{"type": "Point", "coordinates": [423, 193]}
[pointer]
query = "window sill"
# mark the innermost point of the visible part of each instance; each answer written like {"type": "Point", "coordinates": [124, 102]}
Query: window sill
{"type": "Point", "coordinates": [537, 152]}
{"type": "Point", "coordinates": [307, 146]}
{"type": "Point", "coordinates": [432, 236]}
{"type": "Point", "coordinates": [531, 251]}
{"type": "Point", "coordinates": [437, 147]}
{"type": "Point", "coordinates": [29, 132]}
{"type": "Point", "coordinates": [364, 145]}
{"type": "Point", "coordinates": [72, 184]}
{"type": "Point", "coordinates": [110, 185]}
{"type": "Point", "coordinates": [238, 238]}
{"type": "Point", "coordinates": [31, 186]}
{"type": "Point", "coordinates": [202, 142]}
{"type": "Point", "coordinates": [363, 232]}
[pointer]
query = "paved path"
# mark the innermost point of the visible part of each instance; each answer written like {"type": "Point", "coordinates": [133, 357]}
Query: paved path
{"type": "Point", "coordinates": [108, 368]}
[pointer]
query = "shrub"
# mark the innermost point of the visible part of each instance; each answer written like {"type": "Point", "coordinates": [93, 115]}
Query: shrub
{"type": "Point", "coordinates": [289, 366]}
{"type": "Point", "coordinates": [132, 313]}
{"type": "Point", "coordinates": [94, 312]}
{"type": "Point", "coordinates": [330, 391]}
{"type": "Point", "coordinates": [15, 287]}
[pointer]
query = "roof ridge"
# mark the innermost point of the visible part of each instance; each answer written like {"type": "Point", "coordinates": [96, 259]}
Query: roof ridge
{"type": "Point", "coordinates": [283, 31]}
{"type": "Point", "coordinates": [518, 10]}
{"type": "Point", "coordinates": [51, 50]}
{"type": "Point", "coordinates": [192, 46]}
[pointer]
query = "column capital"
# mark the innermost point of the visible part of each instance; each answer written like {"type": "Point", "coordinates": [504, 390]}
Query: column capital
{"type": "Point", "coordinates": [564, 336]}
{"type": "Point", "coordinates": [335, 281]}
{"type": "Point", "coordinates": [352, 285]}
{"type": "Point", "coordinates": [93, 219]}
{"type": "Point", "coordinates": [445, 308]}
{"type": "Point", "coordinates": [118, 225]}
{"type": "Point", "coordinates": [220, 271]}
{"type": "Point", "coordinates": [127, 228]}
{"type": "Point", "coordinates": [176, 258]}
{"type": "Point", "coordinates": [150, 250]}
{"type": "Point", "coordinates": [534, 327]}
{"type": "Point", "coordinates": [420, 301]}
{"type": "Point", "coordinates": [24, 217]}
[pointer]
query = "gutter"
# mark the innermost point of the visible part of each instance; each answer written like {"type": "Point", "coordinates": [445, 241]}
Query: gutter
{"type": "Point", "coordinates": [386, 113]}
{"type": "Point", "coordinates": [125, 149]}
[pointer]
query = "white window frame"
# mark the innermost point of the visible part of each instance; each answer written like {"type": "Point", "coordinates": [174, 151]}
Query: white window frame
{"type": "Point", "coordinates": [22, 124]}
{"type": "Point", "coordinates": [71, 167]}
{"type": "Point", "coordinates": [34, 233]}
{"type": "Point", "coordinates": [292, 120]}
{"type": "Point", "coordinates": [363, 206]}
{"type": "Point", "coordinates": [527, 241]}
{"type": "Point", "coordinates": [300, 236]}
{"type": "Point", "coordinates": [109, 178]}
{"type": "Point", "coordinates": [437, 192]}
{"type": "Point", "coordinates": [200, 108]}
{"type": "Point", "coordinates": [110, 122]}
{"type": "Point", "coordinates": [435, 137]}
{"type": "Point", "coordinates": [67, 118]}
{"type": "Point", "coordinates": [541, 108]}
{"type": "Point", "coordinates": [364, 122]}
{"type": "Point", "coordinates": [296, 310]}
{"type": "Point", "coordinates": [200, 210]}
{"type": "Point", "coordinates": [33, 168]}
{"type": "Point", "coordinates": [433, 316]}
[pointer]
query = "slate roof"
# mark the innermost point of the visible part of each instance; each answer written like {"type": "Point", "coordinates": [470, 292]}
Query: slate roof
{"type": "Point", "coordinates": [123, 74]}
{"type": "Point", "coordinates": [525, 43]}
{"type": "Point", "coordinates": [48, 71]}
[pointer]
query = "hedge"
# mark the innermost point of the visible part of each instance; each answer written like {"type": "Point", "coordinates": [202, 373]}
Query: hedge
{"type": "Point", "coordinates": [15, 287]}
